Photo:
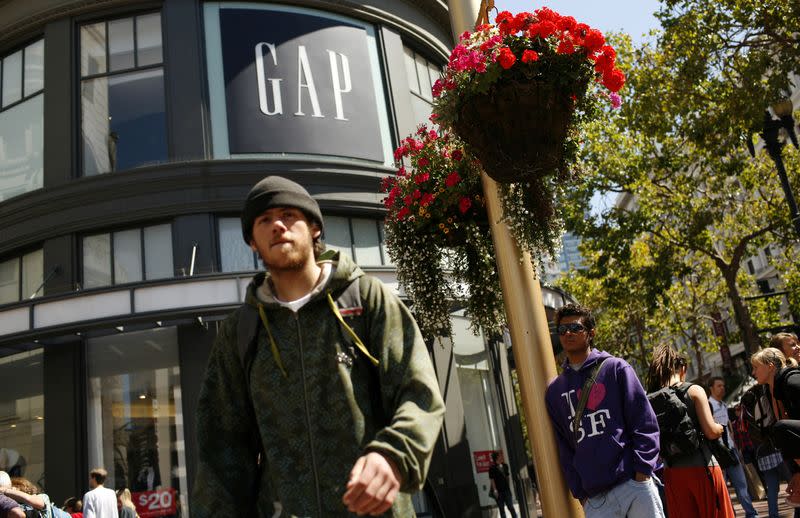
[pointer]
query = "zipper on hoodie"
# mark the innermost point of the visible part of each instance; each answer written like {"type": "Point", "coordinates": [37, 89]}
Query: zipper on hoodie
{"type": "Point", "coordinates": [308, 416]}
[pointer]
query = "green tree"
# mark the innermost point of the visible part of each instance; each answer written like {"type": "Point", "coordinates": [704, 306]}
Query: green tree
{"type": "Point", "coordinates": [694, 197]}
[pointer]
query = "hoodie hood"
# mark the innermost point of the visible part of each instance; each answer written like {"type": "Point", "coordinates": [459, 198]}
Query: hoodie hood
{"type": "Point", "coordinates": [344, 272]}
{"type": "Point", "coordinates": [595, 355]}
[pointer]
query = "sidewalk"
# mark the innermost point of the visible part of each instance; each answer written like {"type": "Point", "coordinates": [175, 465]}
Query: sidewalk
{"type": "Point", "coordinates": [761, 505]}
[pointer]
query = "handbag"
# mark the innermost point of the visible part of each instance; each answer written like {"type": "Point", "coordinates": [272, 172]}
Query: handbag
{"type": "Point", "coordinates": [754, 485]}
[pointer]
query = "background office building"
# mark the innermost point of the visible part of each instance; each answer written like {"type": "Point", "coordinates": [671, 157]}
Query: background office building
{"type": "Point", "coordinates": [130, 133]}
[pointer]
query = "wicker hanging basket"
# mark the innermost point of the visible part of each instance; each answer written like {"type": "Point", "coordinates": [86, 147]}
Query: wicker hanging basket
{"type": "Point", "coordinates": [517, 129]}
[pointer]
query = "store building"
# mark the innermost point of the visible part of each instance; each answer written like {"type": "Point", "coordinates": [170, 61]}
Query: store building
{"type": "Point", "coordinates": [130, 133]}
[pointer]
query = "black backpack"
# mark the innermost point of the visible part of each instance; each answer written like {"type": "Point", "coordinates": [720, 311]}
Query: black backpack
{"type": "Point", "coordinates": [679, 435]}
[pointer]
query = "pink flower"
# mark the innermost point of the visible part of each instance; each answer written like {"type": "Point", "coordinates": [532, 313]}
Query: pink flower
{"type": "Point", "coordinates": [616, 100]}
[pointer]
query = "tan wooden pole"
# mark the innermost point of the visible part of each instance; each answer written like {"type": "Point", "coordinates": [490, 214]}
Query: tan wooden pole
{"type": "Point", "coordinates": [527, 322]}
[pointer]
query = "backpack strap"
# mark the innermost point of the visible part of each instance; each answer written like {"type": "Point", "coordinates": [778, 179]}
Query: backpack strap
{"type": "Point", "coordinates": [246, 335]}
{"type": "Point", "coordinates": [587, 388]}
{"type": "Point", "coordinates": [682, 392]}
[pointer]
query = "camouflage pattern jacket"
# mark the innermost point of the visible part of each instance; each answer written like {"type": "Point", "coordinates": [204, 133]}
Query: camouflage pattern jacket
{"type": "Point", "coordinates": [327, 407]}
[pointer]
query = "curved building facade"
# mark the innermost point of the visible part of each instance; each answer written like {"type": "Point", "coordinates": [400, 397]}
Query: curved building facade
{"type": "Point", "coordinates": [130, 133]}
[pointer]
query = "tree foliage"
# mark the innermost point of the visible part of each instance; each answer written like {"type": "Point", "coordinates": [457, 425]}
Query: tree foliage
{"type": "Point", "coordinates": [698, 204]}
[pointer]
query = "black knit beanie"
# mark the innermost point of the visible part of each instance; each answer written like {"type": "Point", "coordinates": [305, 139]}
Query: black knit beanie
{"type": "Point", "coordinates": [276, 191]}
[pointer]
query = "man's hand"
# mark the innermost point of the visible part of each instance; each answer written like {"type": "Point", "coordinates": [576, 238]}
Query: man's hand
{"type": "Point", "coordinates": [373, 486]}
{"type": "Point", "coordinates": [641, 477]}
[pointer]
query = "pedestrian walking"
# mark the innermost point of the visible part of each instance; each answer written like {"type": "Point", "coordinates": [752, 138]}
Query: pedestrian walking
{"type": "Point", "coordinates": [782, 379]}
{"type": "Point", "coordinates": [606, 431]}
{"type": "Point", "coordinates": [693, 480]}
{"type": "Point", "coordinates": [320, 397]}
{"type": "Point", "coordinates": [734, 474]}
{"type": "Point", "coordinates": [99, 501]}
{"type": "Point", "coordinates": [126, 507]}
{"type": "Point", "coordinates": [501, 489]}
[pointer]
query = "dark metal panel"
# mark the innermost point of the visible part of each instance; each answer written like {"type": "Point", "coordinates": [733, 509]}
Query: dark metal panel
{"type": "Point", "coordinates": [60, 265]}
{"type": "Point", "coordinates": [194, 346]}
{"type": "Point", "coordinates": [188, 232]}
{"type": "Point", "coordinates": [187, 114]}
{"type": "Point", "coordinates": [59, 103]}
{"type": "Point", "coordinates": [65, 448]}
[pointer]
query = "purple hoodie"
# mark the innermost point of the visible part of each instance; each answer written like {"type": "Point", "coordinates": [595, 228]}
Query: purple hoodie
{"type": "Point", "coordinates": [619, 432]}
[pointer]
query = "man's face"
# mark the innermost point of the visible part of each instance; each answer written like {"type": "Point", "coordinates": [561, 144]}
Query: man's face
{"type": "Point", "coordinates": [284, 238]}
{"type": "Point", "coordinates": [718, 390]}
{"type": "Point", "coordinates": [573, 334]}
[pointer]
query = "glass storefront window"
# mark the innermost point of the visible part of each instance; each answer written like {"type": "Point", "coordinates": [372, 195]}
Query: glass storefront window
{"type": "Point", "coordinates": [22, 415]}
{"type": "Point", "coordinates": [135, 418]}
{"type": "Point", "coordinates": [22, 121]}
{"type": "Point", "coordinates": [123, 105]}
{"type": "Point", "coordinates": [421, 75]}
{"type": "Point", "coordinates": [360, 238]}
{"type": "Point", "coordinates": [367, 242]}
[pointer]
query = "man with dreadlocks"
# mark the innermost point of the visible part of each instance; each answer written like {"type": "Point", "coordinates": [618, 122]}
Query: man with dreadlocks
{"type": "Point", "coordinates": [606, 430]}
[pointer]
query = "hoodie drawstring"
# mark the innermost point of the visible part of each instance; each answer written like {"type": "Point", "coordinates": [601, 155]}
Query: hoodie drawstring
{"type": "Point", "coordinates": [350, 331]}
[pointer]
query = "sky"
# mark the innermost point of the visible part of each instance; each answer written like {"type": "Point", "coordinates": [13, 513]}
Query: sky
{"type": "Point", "coordinates": [632, 16]}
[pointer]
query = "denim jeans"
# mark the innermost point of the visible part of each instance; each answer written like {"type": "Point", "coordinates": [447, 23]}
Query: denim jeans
{"type": "Point", "coordinates": [736, 475]}
{"type": "Point", "coordinates": [772, 479]}
{"type": "Point", "coordinates": [504, 500]}
{"type": "Point", "coordinates": [629, 499]}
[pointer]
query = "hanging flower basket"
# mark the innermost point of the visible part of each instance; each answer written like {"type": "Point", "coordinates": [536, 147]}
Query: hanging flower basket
{"type": "Point", "coordinates": [438, 234]}
{"type": "Point", "coordinates": [517, 92]}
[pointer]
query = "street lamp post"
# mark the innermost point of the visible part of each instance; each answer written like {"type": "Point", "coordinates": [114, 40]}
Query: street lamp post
{"type": "Point", "coordinates": [772, 128]}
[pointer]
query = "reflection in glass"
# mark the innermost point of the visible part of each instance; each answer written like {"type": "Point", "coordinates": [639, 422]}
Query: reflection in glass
{"type": "Point", "coordinates": [127, 256]}
{"type": "Point", "coordinates": [96, 261]}
{"type": "Point", "coordinates": [135, 415]}
{"type": "Point", "coordinates": [148, 39]}
{"type": "Point", "coordinates": [367, 242]}
{"type": "Point", "coordinates": [21, 147]}
{"type": "Point", "coordinates": [124, 121]}
{"type": "Point", "coordinates": [9, 281]}
{"type": "Point", "coordinates": [411, 70]}
{"type": "Point", "coordinates": [34, 67]}
{"type": "Point", "coordinates": [32, 273]}
{"type": "Point", "coordinates": [158, 252]}
{"type": "Point", "coordinates": [12, 78]}
{"type": "Point", "coordinates": [337, 234]}
{"type": "Point", "coordinates": [22, 413]}
{"type": "Point", "coordinates": [120, 44]}
{"type": "Point", "coordinates": [234, 253]}
{"type": "Point", "coordinates": [93, 49]}
{"type": "Point", "coordinates": [424, 78]}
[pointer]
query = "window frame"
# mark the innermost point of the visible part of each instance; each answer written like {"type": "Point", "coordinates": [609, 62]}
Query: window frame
{"type": "Point", "coordinates": [19, 259]}
{"type": "Point", "coordinates": [19, 48]}
{"type": "Point", "coordinates": [80, 24]}
{"type": "Point", "coordinates": [112, 259]}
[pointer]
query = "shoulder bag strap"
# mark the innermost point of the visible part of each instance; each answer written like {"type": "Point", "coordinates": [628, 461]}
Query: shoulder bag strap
{"type": "Point", "coordinates": [587, 388]}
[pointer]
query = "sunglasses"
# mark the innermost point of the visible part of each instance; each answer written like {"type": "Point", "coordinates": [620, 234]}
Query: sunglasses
{"type": "Point", "coordinates": [570, 328]}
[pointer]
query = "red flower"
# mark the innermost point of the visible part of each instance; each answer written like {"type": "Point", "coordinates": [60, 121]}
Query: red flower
{"type": "Point", "coordinates": [547, 14]}
{"type": "Point", "coordinates": [505, 22]}
{"type": "Point", "coordinates": [605, 60]}
{"type": "Point", "coordinates": [566, 46]}
{"type": "Point", "coordinates": [427, 199]}
{"type": "Point", "coordinates": [506, 58]}
{"type": "Point", "coordinates": [421, 178]}
{"type": "Point", "coordinates": [594, 40]}
{"type": "Point", "coordinates": [567, 23]}
{"type": "Point", "coordinates": [416, 194]}
{"type": "Point", "coordinates": [401, 171]}
{"type": "Point", "coordinates": [402, 213]}
{"type": "Point", "coordinates": [522, 20]}
{"type": "Point", "coordinates": [400, 152]}
{"type": "Point", "coordinates": [408, 199]}
{"type": "Point", "coordinates": [614, 80]}
{"type": "Point", "coordinates": [542, 29]}
{"type": "Point", "coordinates": [529, 56]}
{"type": "Point", "coordinates": [422, 162]}
{"type": "Point", "coordinates": [464, 204]}
{"type": "Point", "coordinates": [452, 179]}
{"type": "Point", "coordinates": [457, 155]}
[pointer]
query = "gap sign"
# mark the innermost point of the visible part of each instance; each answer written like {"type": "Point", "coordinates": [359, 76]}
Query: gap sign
{"type": "Point", "coordinates": [298, 83]}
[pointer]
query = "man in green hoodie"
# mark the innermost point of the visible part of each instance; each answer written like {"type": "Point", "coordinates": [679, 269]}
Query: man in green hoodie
{"type": "Point", "coordinates": [328, 404]}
